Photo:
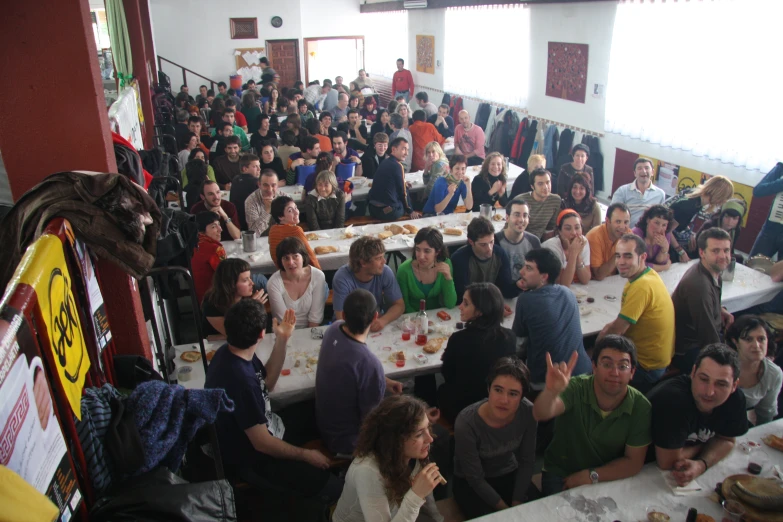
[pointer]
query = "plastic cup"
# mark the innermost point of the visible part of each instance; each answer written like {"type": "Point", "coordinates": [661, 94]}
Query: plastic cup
{"type": "Point", "coordinates": [732, 511]}
{"type": "Point", "coordinates": [400, 363]}
{"type": "Point", "coordinates": [406, 335]}
{"type": "Point", "coordinates": [421, 339]}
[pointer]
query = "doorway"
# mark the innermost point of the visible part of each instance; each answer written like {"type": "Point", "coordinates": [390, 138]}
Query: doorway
{"type": "Point", "coordinates": [330, 57]}
{"type": "Point", "coordinates": [284, 58]}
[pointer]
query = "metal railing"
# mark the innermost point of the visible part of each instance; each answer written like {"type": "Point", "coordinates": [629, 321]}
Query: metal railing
{"type": "Point", "coordinates": [212, 83]}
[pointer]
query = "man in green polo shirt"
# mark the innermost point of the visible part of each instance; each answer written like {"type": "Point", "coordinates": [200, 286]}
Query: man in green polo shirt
{"type": "Point", "coordinates": [646, 314]}
{"type": "Point", "coordinates": [603, 425]}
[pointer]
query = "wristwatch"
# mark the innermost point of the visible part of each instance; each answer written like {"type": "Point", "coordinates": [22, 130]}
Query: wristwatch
{"type": "Point", "coordinates": [228, 220]}
{"type": "Point", "coordinates": [593, 476]}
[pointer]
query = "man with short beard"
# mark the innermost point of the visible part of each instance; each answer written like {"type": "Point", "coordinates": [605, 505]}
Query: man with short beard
{"type": "Point", "coordinates": [227, 166]}
{"type": "Point", "coordinates": [698, 316]}
{"type": "Point", "coordinates": [212, 201]}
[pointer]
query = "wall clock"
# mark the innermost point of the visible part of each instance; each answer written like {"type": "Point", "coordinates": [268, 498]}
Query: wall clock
{"type": "Point", "coordinates": [277, 21]}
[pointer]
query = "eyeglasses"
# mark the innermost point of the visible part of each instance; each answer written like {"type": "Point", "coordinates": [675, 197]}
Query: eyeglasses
{"type": "Point", "coordinates": [609, 366]}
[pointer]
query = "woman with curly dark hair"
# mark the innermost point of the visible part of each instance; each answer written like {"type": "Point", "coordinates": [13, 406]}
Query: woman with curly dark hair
{"type": "Point", "coordinates": [381, 484]}
{"type": "Point", "coordinates": [580, 198]}
{"type": "Point", "coordinates": [655, 227]}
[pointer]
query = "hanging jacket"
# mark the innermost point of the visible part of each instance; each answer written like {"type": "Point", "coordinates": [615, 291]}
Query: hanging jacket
{"type": "Point", "coordinates": [496, 116]}
{"type": "Point", "coordinates": [538, 145]}
{"type": "Point", "coordinates": [455, 108]}
{"type": "Point", "coordinates": [530, 138]}
{"type": "Point", "coordinates": [511, 121]}
{"type": "Point", "coordinates": [446, 99]}
{"type": "Point", "coordinates": [564, 154]}
{"type": "Point", "coordinates": [519, 138]}
{"type": "Point", "coordinates": [482, 116]}
{"type": "Point", "coordinates": [596, 160]}
{"type": "Point", "coordinates": [551, 138]}
{"type": "Point", "coordinates": [105, 211]}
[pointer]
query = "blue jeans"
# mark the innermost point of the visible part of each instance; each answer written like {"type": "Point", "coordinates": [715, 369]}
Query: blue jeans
{"type": "Point", "coordinates": [643, 380]}
{"type": "Point", "coordinates": [769, 241]}
{"type": "Point", "coordinates": [400, 93]}
{"type": "Point", "coordinates": [551, 484]}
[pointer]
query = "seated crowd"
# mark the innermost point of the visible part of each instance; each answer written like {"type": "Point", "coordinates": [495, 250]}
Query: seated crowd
{"type": "Point", "coordinates": [673, 379]}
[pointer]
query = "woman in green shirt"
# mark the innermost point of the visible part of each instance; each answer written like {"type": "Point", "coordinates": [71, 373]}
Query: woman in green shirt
{"type": "Point", "coordinates": [429, 275]}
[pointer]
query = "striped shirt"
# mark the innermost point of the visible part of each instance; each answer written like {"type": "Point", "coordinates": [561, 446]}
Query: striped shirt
{"type": "Point", "coordinates": [543, 214]}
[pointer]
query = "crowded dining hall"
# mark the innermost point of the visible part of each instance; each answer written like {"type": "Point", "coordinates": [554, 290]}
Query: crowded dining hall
{"type": "Point", "coordinates": [390, 277]}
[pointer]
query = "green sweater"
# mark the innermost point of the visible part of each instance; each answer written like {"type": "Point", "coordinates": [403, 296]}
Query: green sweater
{"type": "Point", "coordinates": [442, 294]}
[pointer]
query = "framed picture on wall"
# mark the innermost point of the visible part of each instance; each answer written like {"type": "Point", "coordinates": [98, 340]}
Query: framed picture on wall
{"type": "Point", "coordinates": [425, 54]}
{"type": "Point", "coordinates": [243, 28]}
{"type": "Point", "coordinates": [566, 71]}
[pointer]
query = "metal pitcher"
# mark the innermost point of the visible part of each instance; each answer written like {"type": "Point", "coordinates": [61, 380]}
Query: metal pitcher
{"type": "Point", "coordinates": [249, 241]}
{"type": "Point", "coordinates": [486, 211]}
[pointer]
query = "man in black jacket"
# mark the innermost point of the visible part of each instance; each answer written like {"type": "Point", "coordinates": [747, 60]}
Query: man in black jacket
{"type": "Point", "coordinates": [443, 122]}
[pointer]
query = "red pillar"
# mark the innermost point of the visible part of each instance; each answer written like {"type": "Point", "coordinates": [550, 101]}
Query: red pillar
{"type": "Point", "coordinates": [55, 119]}
{"type": "Point", "coordinates": [54, 112]}
{"type": "Point", "coordinates": [149, 43]}
{"type": "Point", "coordinates": [141, 72]}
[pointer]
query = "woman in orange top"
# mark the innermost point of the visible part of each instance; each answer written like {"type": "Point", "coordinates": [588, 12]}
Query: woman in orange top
{"type": "Point", "coordinates": [422, 134]}
{"type": "Point", "coordinates": [285, 216]}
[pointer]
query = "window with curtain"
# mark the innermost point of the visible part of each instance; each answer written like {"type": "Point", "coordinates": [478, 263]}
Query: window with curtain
{"type": "Point", "coordinates": [701, 76]}
{"type": "Point", "coordinates": [487, 53]}
{"type": "Point", "coordinates": [380, 49]}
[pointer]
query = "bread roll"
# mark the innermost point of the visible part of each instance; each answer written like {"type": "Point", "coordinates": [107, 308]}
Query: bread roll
{"type": "Point", "coordinates": [433, 345]}
{"type": "Point", "coordinates": [386, 234]}
{"type": "Point", "coordinates": [190, 356]}
{"type": "Point", "coordinates": [319, 250]}
{"type": "Point", "coordinates": [411, 229]}
{"type": "Point", "coordinates": [312, 236]}
{"type": "Point", "coordinates": [452, 231]}
{"type": "Point", "coordinates": [396, 229]}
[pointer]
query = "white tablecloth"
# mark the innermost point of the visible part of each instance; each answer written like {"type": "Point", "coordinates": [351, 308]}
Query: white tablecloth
{"type": "Point", "coordinates": [634, 495]}
{"type": "Point", "coordinates": [261, 260]}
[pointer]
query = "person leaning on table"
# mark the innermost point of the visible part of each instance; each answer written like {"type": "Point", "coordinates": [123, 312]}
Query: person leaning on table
{"type": "Point", "coordinates": [602, 429]}
{"type": "Point", "coordinates": [253, 439]}
{"type": "Point", "coordinates": [367, 269]}
{"type": "Point", "coordinates": [696, 417]}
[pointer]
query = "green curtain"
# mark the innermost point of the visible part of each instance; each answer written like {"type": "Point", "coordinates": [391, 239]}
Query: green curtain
{"type": "Point", "coordinates": [120, 42]}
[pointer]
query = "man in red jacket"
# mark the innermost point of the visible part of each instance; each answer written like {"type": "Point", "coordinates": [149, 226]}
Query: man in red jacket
{"type": "Point", "coordinates": [402, 81]}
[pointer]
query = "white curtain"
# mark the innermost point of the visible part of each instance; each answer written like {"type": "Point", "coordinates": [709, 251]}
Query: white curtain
{"type": "Point", "coordinates": [385, 40]}
{"type": "Point", "coordinates": [701, 76]}
{"type": "Point", "coordinates": [487, 53]}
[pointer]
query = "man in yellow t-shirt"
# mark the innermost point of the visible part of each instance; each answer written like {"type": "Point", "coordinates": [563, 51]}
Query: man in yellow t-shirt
{"type": "Point", "coordinates": [646, 314]}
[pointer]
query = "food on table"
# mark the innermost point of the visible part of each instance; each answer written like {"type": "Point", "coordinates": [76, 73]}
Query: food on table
{"type": "Point", "coordinates": [704, 518]}
{"type": "Point", "coordinates": [411, 229]}
{"type": "Point", "coordinates": [590, 300]}
{"type": "Point", "coordinates": [658, 516]}
{"type": "Point", "coordinates": [386, 234]}
{"type": "Point", "coordinates": [497, 217]}
{"type": "Point", "coordinates": [211, 354]}
{"type": "Point", "coordinates": [443, 315]}
{"type": "Point", "coordinates": [452, 231]}
{"type": "Point", "coordinates": [190, 356]}
{"type": "Point", "coordinates": [348, 234]}
{"type": "Point", "coordinates": [311, 236]}
{"type": "Point", "coordinates": [400, 356]}
{"type": "Point", "coordinates": [312, 360]}
{"type": "Point", "coordinates": [320, 250]}
{"type": "Point", "coordinates": [285, 371]}
{"type": "Point", "coordinates": [773, 441]}
{"type": "Point", "coordinates": [433, 345]}
{"type": "Point", "coordinates": [297, 363]}
{"type": "Point", "coordinates": [760, 493]}
{"type": "Point", "coordinates": [395, 229]}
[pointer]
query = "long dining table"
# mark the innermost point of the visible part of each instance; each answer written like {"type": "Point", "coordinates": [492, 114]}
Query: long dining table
{"type": "Point", "coordinates": [748, 288]}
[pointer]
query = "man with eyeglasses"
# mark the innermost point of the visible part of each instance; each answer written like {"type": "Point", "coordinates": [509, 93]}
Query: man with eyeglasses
{"type": "Point", "coordinates": [646, 313]}
{"type": "Point", "coordinates": [696, 417]}
{"type": "Point", "coordinates": [480, 262]}
{"type": "Point", "coordinates": [602, 429]}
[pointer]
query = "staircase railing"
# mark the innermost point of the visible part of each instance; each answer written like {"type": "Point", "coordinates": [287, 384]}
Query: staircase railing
{"type": "Point", "coordinates": [212, 83]}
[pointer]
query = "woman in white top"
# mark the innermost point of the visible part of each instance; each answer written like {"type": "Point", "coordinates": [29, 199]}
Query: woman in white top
{"type": "Point", "coordinates": [760, 378]}
{"type": "Point", "coordinates": [297, 285]}
{"type": "Point", "coordinates": [571, 247]}
{"type": "Point", "coordinates": [380, 486]}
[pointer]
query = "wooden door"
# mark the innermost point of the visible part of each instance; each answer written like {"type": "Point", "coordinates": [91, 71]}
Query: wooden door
{"type": "Point", "coordinates": [284, 57]}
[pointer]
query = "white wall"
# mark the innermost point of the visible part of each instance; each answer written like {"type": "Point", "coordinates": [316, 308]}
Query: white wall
{"type": "Point", "coordinates": [430, 22]}
{"type": "Point", "coordinates": [196, 33]}
{"type": "Point", "coordinates": [330, 18]}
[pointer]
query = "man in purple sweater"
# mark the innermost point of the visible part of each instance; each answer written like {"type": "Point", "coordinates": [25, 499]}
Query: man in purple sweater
{"type": "Point", "coordinates": [350, 380]}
